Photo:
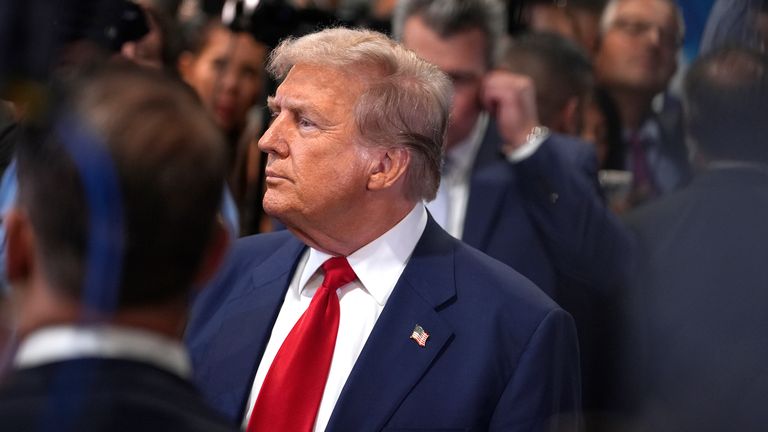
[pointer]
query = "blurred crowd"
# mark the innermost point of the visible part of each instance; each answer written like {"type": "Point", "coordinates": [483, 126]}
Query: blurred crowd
{"type": "Point", "coordinates": [664, 273]}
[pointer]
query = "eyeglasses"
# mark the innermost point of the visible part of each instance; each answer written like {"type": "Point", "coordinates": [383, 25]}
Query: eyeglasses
{"type": "Point", "coordinates": [638, 28]}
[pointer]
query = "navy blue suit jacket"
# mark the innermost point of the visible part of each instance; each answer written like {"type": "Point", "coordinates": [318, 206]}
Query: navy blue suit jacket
{"type": "Point", "coordinates": [696, 340]}
{"type": "Point", "coordinates": [501, 355]}
{"type": "Point", "coordinates": [545, 218]}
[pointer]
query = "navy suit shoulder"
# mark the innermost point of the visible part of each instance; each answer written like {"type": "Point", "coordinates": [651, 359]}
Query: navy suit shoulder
{"type": "Point", "coordinates": [103, 395]}
{"type": "Point", "coordinates": [232, 318]}
{"type": "Point", "coordinates": [696, 307]}
{"type": "Point", "coordinates": [545, 217]}
{"type": "Point", "coordinates": [246, 254]}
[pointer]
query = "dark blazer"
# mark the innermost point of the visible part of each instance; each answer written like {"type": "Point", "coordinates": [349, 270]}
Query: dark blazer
{"type": "Point", "coordinates": [698, 334]}
{"type": "Point", "coordinates": [500, 355]}
{"type": "Point", "coordinates": [102, 395]}
{"type": "Point", "coordinates": [545, 218]}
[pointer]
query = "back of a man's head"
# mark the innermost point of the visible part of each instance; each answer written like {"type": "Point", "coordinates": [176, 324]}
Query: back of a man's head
{"type": "Point", "coordinates": [148, 133]}
{"type": "Point", "coordinates": [561, 72]}
{"type": "Point", "coordinates": [726, 100]}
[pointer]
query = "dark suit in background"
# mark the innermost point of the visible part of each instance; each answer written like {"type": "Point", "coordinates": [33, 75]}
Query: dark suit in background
{"type": "Point", "coordinates": [103, 395]}
{"type": "Point", "coordinates": [545, 218]}
{"type": "Point", "coordinates": [697, 340]}
{"type": "Point", "coordinates": [699, 328]}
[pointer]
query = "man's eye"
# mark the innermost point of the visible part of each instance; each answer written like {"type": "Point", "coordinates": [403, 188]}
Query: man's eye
{"type": "Point", "coordinates": [306, 123]}
{"type": "Point", "coordinates": [219, 64]}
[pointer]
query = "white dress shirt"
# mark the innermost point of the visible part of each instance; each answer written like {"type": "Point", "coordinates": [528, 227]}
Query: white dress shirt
{"type": "Point", "coordinates": [70, 342]}
{"type": "Point", "coordinates": [378, 266]}
{"type": "Point", "coordinates": [449, 208]}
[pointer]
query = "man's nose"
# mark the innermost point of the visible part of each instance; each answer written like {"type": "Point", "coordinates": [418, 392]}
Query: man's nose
{"type": "Point", "coordinates": [273, 139]}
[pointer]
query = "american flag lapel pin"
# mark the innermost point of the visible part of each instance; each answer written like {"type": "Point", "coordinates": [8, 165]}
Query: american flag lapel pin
{"type": "Point", "coordinates": [420, 335]}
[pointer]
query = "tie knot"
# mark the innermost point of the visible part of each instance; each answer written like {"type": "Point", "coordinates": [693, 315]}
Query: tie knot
{"type": "Point", "coordinates": [337, 273]}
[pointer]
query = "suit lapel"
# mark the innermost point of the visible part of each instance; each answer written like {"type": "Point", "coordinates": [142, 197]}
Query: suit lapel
{"type": "Point", "coordinates": [243, 335]}
{"type": "Point", "coordinates": [391, 363]}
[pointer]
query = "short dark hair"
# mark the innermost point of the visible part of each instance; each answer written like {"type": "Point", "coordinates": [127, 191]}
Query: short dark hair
{"type": "Point", "coordinates": [168, 160]}
{"type": "Point", "coordinates": [726, 101]}
{"type": "Point", "coordinates": [449, 17]}
{"type": "Point", "coordinates": [558, 67]}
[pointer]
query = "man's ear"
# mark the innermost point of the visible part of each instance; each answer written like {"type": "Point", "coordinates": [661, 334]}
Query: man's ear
{"type": "Point", "coordinates": [388, 167]}
{"type": "Point", "coordinates": [19, 245]}
{"type": "Point", "coordinates": [214, 253]}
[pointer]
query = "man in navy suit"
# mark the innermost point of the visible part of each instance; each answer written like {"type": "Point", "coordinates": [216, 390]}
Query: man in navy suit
{"type": "Point", "coordinates": [519, 193]}
{"type": "Point", "coordinates": [115, 222]}
{"type": "Point", "coordinates": [696, 345]}
{"type": "Point", "coordinates": [432, 334]}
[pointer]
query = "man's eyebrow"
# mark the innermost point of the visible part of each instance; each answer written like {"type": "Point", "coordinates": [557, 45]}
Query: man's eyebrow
{"type": "Point", "coordinates": [297, 106]}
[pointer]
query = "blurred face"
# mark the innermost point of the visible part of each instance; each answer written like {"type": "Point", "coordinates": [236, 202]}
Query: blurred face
{"type": "Point", "coordinates": [462, 57]}
{"type": "Point", "coordinates": [228, 75]}
{"type": "Point", "coordinates": [639, 50]}
{"type": "Point", "coordinates": [316, 169]}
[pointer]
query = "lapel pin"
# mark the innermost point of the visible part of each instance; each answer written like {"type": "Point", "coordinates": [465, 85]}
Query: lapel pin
{"type": "Point", "coordinates": [419, 335]}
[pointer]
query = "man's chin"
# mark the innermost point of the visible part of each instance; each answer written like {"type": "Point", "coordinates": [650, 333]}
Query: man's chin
{"type": "Point", "coordinates": [277, 211]}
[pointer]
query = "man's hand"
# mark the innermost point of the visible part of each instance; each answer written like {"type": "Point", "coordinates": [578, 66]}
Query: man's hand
{"type": "Point", "coordinates": [511, 99]}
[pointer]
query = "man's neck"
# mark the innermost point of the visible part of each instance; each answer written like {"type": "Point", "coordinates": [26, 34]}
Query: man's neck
{"type": "Point", "coordinates": [634, 106]}
{"type": "Point", "coordinates": [345, 236]}
{"type": "Point", "coordinates": [46, 308]}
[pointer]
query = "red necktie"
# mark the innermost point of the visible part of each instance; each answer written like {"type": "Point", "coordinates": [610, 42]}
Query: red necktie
{"type": "Point", "coordinates": [291, 393]}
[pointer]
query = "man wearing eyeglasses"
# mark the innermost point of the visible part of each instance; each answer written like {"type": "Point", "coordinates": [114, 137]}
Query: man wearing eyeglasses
{"type": "Point", "coordinates": [635, 60]}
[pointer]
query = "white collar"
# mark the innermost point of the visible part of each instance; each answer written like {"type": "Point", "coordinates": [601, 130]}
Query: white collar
{"type": "Point", "coordinates": [69, 342]}
{"type": "Point", "coordinates": [378, 264]}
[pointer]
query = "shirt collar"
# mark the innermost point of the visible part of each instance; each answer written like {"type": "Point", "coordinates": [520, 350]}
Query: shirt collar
{"type": "Point", "coordinates": [69, 342]}
{"type": "Point", "coordinates": [379, 264]}
{"type": "Point", "coordinates": [462, 155]}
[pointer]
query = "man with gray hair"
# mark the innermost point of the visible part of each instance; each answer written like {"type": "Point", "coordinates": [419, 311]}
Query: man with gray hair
{"type": "Point", "coordinates": [510, 188]}
{"type": "Point", "coordinates": [366, 315]}
{"type": "Point", "coordinates": [635, 61]}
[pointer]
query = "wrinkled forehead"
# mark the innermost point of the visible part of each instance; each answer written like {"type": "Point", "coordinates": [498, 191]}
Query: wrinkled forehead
{"type": "Point", "coordinates": [329, 93]}
{"type": "Point", "coordinates": [342, 82]}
